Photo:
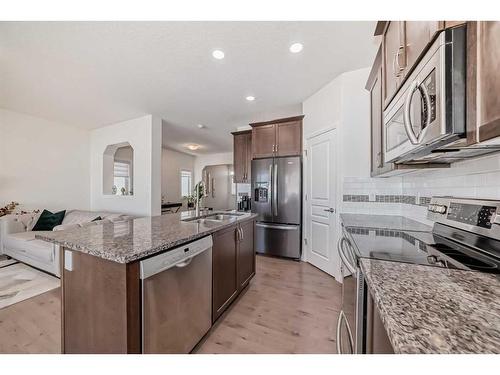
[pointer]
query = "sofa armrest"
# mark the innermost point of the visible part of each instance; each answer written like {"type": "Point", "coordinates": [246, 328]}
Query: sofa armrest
{"type": "Point", "coordinates": [11, 224]}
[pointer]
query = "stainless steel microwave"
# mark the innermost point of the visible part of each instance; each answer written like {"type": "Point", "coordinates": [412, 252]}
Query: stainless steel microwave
{"type": "Point", "coordinates": [428, 112]}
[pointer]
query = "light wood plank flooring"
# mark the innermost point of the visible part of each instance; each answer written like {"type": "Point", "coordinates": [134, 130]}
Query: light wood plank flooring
{"type": "Point", "coordinates": [289, 307]}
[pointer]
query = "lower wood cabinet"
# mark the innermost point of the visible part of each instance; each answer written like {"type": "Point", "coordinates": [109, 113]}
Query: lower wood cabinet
{"type": "Point", "coordinates": [377, 341]}
{"type": "Point", "coordinates": [233, 264]}
{"type": "Point", "coordinates": [246, 254]}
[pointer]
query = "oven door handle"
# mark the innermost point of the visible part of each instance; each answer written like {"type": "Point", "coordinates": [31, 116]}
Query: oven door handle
{"type": "Point", "coordinates": [341, 318]}
{"type": "Point", "coordinates": [343, 256]}
{"type": "Point", "coordinates": [422, 89]}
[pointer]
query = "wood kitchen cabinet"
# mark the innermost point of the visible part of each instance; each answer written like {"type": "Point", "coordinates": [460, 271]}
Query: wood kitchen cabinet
{"type": "Point", "coordinates": [233, 264]}
{"type": "Point", "coordinates": [242, 156]}
{"type": "Point", "coordinates": [483, 80]}
{"type": "Point", "coordinates": [403, 43]}
{"type": "Point", "coordinates": [282, 137]}
{"type": "Point", "coordinates": [246, 254]}
{"type": "Point", "coordinates": [224, 271]}
{"type": "Point", "coordinates": [377, 340]}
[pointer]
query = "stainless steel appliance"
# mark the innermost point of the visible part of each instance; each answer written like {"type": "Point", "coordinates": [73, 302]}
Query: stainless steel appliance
{"type": "Point", "coordinates": [465, 236]}
{"type": "Point", "coordinates": [219, 191]}
{"type": "Point", "coordinates": [429, 109]}
{"type": "Point", "coordinates": [177, 298]}
{"type": "Point", "coordinates": [277, 198]}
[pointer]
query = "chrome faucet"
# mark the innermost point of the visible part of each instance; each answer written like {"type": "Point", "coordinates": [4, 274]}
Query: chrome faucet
{"type": "Point", "coordinates": [199, 192]}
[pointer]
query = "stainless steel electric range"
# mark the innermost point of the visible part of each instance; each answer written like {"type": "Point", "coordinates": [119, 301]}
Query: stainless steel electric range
{"type": "Point", "coordinates": [465, 236]}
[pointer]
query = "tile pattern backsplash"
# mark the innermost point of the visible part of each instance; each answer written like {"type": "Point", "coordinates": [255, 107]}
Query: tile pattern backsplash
{"type": "Point", "coordinates": [409, 195]}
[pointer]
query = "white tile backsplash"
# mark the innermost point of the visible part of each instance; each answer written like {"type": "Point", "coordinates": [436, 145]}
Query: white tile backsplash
{"type": "Point", "coordinates": [476, 178]}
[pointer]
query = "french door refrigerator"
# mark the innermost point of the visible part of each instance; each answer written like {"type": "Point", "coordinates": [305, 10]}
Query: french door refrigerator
{"type": "Point", "coordinates": [277, 199]}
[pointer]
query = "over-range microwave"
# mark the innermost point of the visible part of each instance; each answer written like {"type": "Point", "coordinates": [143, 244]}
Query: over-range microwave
{"type": "Point", "coordinates": [429, 110]}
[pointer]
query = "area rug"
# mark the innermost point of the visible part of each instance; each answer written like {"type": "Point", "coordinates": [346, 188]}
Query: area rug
{"type": "Point", "coordinates": [19, 282]}
{"type": "Point", "coordinates": [4, 261]}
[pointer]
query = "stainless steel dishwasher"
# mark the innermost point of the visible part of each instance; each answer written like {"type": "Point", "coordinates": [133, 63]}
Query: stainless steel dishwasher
{"type": "Point", "coordinates": [177, 298]}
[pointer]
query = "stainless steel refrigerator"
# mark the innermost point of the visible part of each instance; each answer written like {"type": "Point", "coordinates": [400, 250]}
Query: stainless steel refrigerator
{"type": "Point", "coordinates": [277, 198]}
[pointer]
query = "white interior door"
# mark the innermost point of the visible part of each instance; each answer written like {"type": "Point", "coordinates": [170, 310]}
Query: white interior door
{"type": "Point", "coordinates": [321, 210]}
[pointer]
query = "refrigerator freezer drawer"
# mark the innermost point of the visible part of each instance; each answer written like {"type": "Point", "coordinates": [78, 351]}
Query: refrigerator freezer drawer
{"type": "Point", "coordinates": [278, 239]}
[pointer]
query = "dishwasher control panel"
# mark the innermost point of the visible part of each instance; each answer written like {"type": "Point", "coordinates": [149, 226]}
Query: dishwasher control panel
{"type": "Point", "coordinates": [173, 257]}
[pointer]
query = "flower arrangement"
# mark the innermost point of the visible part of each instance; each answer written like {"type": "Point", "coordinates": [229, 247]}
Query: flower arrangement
{"type": "Point", "coordinates": [8, 209]}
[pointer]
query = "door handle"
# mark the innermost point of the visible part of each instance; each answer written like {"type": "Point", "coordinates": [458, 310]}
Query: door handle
{"type": "Point", "coordinates": [414, 139]}
{"type": "Point", "coordinates": [332, 210]}
{"type": "Point", "coordinates": [341, 318]}
{"type": "Point", "coordinates": [343, 256]}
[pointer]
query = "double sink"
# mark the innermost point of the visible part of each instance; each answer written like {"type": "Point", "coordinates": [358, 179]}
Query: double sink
{"type": "Point", "coordinates": [215, 218]}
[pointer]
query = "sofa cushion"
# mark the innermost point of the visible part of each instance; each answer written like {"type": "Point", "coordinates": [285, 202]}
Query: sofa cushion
{"type": "Point", "coordinates": [65, 227]}
{"type": "Point", "coordinates": [22, 240]}
{"type": "Point", "coordinates": [48, 220]}
{"type": "Point", "coordinates": [79, 217]}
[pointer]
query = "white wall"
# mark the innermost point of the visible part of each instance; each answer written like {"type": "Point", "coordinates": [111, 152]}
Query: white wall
{"type": "Point", "coordinates": [43, 164]}
{"type": "Point", "coordinates": [172, 164]}
{"type": "Point", "coordinates": [344, 105]}
{"type": "Point", "coordinates": [202, 161]}
{"type": "Point", "coordinates": [144, 135]}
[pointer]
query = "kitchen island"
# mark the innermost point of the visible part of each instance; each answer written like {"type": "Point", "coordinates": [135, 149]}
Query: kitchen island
{"type": "Point", "coordinates": [102, 293]}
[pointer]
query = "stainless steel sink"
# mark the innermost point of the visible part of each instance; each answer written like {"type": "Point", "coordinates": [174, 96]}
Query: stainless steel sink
{"type": "Point", "coordinates": [222, 217]}
{"type": "Point", "coordinates": [216, 217]}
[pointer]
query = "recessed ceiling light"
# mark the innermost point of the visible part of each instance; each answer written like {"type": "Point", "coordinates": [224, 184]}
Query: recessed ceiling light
{"type": "Point", "coordinates": [193, 147]}
{"type": "Point", "coordinates": [200, 126]}
{"type": "Point", "coordinates": [250, 98]}
{"type": "Point", "coordinates": [218, 54]}
{"type": "Point", "coordinates": [296, 47]}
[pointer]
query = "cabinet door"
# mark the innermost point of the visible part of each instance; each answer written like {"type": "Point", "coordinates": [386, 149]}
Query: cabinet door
{"type": "Point", "coordinates": [289, 138]}
{"type": "Point", "coordinates": [224, 272]}
{"type": "Point", "coordinates": [418, 35]}
{"type": "Point", "coordinates": [393, 59]}
{"type": "Point", "coordinates": [263, 141]}
{"type": "Point", "coordinates": [248, 158]}
{"type": "Point", "coordinates": [239, 157]}
{"type": "Point", "coordinates": [376, 124]}
{"type": "Point", "coordinates": [488, 79]}
{"type": "Point", "coordinates": [246, 254]}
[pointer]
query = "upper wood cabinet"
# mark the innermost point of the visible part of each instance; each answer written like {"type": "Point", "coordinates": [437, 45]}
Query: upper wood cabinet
{"type": "Point", "coordinates": [483, 80]}
{"type": "Point", "coordinates": [281, 137]}
{"type": "Point", "coordinates": [418, 35]}
{"type": "Point", "coordinates": [403, 43]}
{"type": "Point", "coordinates": [242, 156]}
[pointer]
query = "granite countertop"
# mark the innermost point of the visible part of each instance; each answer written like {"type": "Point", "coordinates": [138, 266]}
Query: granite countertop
{"type": "Point", "coordinates": [131, 240]}
{"type": "Point", "coordinates": [383, 222]}
{"type": "Point", "coordinates": [434, 310]}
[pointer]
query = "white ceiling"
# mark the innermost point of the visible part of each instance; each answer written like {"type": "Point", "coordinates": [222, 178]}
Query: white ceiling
{"type": "Point", "coordinates": [90, 74]}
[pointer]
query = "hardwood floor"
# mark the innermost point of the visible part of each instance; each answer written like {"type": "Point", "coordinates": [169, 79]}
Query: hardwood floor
{"type": "Point", "coordinates": [289, 307]}
{"type": "Point", "coordinates": [33, 325]}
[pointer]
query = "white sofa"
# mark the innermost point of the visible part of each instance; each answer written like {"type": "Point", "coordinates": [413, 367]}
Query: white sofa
{"type": "Point", "coordinates": [17, 240]}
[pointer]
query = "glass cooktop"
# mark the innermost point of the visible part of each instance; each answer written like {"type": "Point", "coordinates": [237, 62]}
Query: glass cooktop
{"type": "Point", "coordinates": [426, 248]}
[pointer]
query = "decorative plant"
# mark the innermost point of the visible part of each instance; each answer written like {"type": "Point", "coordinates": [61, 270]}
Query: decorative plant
{"type": "Point", "coordinates": [199, 191]}
{"type": "Point", "coordinates": [190, 199]}
{"type": "Point", "coordinates": [8, 208]}
{"type": "Point", "coordinates": [123, 190]}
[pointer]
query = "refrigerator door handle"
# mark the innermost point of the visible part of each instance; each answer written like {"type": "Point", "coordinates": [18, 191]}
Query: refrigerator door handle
{"type": "Point", "coordinates": [281, 227]}
{"type": "Point", "coordinates": [271, 187]}
{"type": "Point", "coordinates": [275, 190]}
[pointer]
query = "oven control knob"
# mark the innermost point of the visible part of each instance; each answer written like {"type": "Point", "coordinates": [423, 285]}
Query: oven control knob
{"type": "Point", "coordinates": [432, 259]}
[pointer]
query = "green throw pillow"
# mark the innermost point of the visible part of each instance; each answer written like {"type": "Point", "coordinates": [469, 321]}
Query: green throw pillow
{"type": "Point", "coordinates": [48, 220]}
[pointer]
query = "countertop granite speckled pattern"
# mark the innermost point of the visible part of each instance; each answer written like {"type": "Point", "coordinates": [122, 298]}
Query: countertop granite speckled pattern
{"type": "Point", "coordinates": [393, 222]}
{"type": "Point", "coordinates": [434, 310]}
{"type": "Point", "coordinates": [127, 241]}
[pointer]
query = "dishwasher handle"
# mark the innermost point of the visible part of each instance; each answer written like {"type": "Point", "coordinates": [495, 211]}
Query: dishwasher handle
{"type": "Point", "coordinates": [177, 257]}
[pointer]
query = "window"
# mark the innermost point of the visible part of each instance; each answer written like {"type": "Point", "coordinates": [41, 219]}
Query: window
{"type": "Point", "coordinates": [121, 178]}
{"type": "Point", "coordinates": [186, 181]}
